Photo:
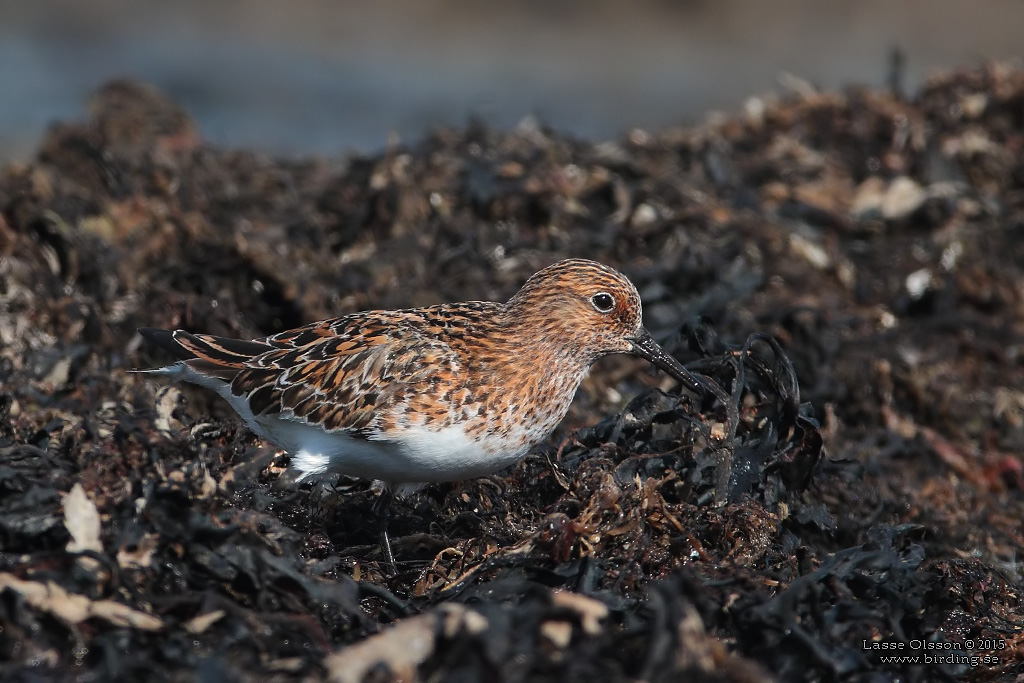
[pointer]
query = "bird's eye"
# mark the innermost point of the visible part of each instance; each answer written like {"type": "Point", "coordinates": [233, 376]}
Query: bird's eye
{"type": "Point", "coordinates": [603, 302]}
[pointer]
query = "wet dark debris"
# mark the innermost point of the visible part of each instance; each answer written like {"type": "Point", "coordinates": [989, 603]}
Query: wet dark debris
{"type": "Point", "coordinates": [843, 271]}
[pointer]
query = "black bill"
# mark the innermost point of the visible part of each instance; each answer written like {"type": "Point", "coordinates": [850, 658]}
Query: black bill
{"type": "Point", "coordinates": [645, 347]}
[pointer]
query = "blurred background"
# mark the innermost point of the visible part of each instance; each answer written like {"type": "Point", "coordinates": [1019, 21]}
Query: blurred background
{"type": "Point", "coordinates": [325, 77]}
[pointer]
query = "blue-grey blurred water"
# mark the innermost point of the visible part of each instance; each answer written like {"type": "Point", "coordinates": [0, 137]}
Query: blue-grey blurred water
{"type": "Point", "coordinates": [324, 77]}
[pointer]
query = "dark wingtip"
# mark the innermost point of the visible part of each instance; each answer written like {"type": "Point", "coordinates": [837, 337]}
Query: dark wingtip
{"type": "Point", "coordinates": [165, 340]}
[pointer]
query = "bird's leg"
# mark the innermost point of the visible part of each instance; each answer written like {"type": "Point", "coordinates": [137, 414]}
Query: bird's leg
{"type": "Point", "coordinates": [382, 510]}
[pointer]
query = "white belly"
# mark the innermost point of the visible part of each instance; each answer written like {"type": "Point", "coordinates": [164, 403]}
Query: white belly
{"type": "Point", "coordinates": [405, 459]}
{"type": "Point", "coordinates": [415, 455]}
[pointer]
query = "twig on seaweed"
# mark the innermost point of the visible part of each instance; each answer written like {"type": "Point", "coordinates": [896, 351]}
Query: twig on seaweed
{"type": "Point", "coordinates": [370, 589]}
{"type": "Point", "coordinates": [724, 447]}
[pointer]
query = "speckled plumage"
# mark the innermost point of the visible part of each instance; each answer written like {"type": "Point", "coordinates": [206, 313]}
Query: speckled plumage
{"type": "Point", "coordinates": [431, 394]}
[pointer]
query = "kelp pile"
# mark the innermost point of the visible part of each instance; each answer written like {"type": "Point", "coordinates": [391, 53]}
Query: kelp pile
{"type": "Point", "coordinates": [844, 270]}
